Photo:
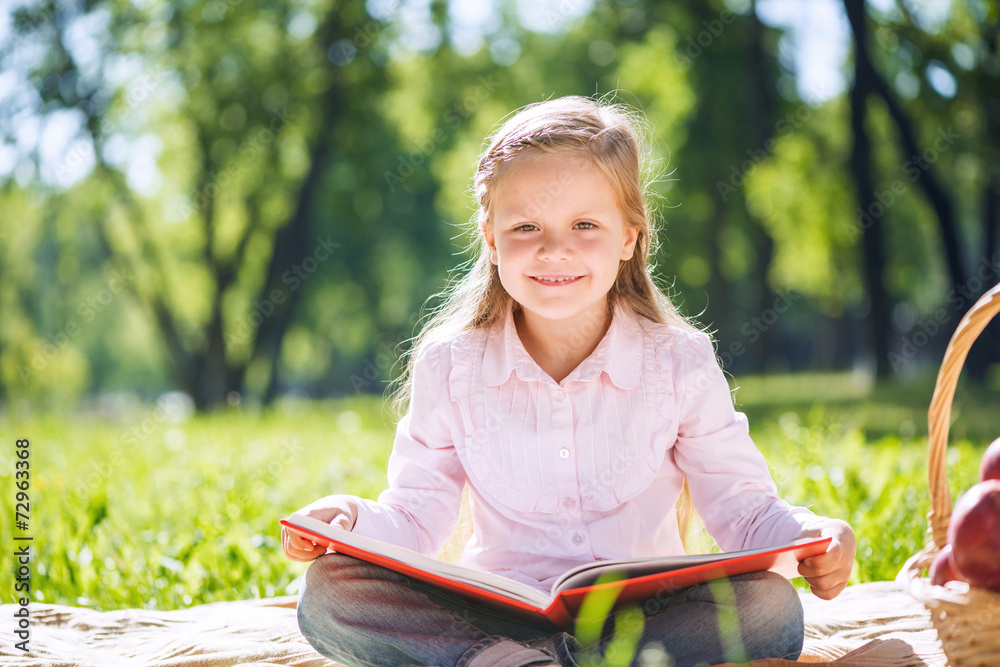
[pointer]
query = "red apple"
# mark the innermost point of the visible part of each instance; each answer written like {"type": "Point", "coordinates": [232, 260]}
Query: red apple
{"type": "Point", "coordinates": [943, 568]}
{"type": "Point", "coordinates": [990, 467]}
{"type": "Point", "coordinates": [974, 534]}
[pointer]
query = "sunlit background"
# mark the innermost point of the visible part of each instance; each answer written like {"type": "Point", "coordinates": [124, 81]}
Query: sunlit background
{"type": "Point", "coordinates": [239, 199]}
{"type": "Point", "coordinates": [221, 221]}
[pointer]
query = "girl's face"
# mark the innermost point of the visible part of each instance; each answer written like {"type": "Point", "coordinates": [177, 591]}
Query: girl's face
{"type": "Point", "coordinates": [558, 237]}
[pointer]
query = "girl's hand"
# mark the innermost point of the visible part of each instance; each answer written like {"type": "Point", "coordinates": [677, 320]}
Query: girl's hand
{"type": "Point", "coordinates": [339, 511]}
{"type": "Point", "coordinates": [828, 573]}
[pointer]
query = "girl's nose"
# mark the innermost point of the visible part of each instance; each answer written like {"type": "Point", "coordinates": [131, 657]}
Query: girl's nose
{"type": "Point", "coordinates": [555, 247]}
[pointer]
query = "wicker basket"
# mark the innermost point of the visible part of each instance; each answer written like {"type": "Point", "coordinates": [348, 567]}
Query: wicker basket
{"type": "Point", "coordinates": [967, 619]}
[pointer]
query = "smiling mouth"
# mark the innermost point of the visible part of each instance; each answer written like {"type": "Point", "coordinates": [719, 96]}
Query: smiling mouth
{"type": "Point", "coordinates": [556, 280]}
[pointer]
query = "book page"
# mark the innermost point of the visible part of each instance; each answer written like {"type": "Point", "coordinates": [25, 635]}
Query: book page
{"type": "Point", "coordinates": [784, 562]}
{"type": "Point", "coordinates": [484, 580]}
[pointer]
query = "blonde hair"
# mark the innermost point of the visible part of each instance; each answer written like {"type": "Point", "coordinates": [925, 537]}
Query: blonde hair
{"type": "Point", "coordinates": [615, 138]}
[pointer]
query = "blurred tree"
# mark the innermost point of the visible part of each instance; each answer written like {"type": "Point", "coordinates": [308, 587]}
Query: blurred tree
{"type": "Point", "coordinates": [719, 250]}
{"type": "Point", "coordinates": [248, 102]}
{"type": "Point", "coordinates": [925, 76]}
{"type": "Point", "coordinates": [281, 185]}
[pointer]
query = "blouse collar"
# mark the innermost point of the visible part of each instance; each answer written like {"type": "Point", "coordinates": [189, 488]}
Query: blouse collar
{"type": "Point", "coordinates": [619, 354]}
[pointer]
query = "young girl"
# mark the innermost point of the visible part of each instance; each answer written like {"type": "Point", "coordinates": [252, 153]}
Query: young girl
{"type": "Point", "coordinates": [566, 391]}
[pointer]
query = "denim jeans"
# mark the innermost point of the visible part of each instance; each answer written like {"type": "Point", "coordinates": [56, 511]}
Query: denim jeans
{"type": "Point", "coordinates": [363, 615]}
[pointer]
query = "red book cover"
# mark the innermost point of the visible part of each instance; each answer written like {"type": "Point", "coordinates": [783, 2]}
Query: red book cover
{"type": "Point", "coordinates": [634, 581]}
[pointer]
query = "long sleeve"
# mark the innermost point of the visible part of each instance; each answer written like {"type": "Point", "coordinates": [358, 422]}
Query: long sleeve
{"type": "Point", "coordinates": [420, 508]}
{"type": "Point", "coordinates": [732, 489]}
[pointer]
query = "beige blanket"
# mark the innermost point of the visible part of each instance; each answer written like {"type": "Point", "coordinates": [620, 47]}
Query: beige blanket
{"type": "Point", "coordinates": [869, 624]}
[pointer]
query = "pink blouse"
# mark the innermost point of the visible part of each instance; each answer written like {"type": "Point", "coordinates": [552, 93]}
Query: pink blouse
{"type": "Point", "coordinates": [586, 469]}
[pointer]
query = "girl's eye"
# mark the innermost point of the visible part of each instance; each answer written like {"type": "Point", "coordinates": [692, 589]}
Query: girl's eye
{"type": "Point", "coordinates": [530, 227]}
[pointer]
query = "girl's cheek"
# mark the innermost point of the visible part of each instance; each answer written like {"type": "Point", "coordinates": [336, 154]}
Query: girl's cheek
{"type": "Point", "coordinates": [519, 245]}
{"type": "Point", "coordinates": [595, 242]}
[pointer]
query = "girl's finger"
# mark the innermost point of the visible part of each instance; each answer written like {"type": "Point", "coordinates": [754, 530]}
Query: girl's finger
{"type": "Point", "coordinates": [829, 557]}
{"type": "Point", "coordinates": [303, 555]}
{"type": "Point", "coordinates": [817, 567]}
{"type": "Point", "coordinates": [298, 548]}
{"type": "Point", "coordinates": [299, 542]}
{"type": "Point", "coordinates": [829, 586]}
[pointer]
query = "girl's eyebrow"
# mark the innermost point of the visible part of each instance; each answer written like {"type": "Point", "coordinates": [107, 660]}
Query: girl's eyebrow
{"type": "Point", "coordinates": [524, 214]}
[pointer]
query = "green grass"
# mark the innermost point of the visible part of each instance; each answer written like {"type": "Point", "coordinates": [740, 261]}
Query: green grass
{"type": "Point", "coordinates": [186, 512]}
{"type": "Point", "coordinates": [138, 511]}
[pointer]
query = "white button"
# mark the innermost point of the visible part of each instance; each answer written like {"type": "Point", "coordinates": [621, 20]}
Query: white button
{"type": "Point", "coordinates": [564, 453]}
{"type": "Point", "coordinates": [569, 503]}
{"type": "Point", "coordinates": [577, 539]}
{"type": "Point", "coordinates": [561, 396]}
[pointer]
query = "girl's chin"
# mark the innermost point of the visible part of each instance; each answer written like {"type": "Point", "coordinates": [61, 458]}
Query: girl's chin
{"type": "Point", "coordinates": [559, 312]}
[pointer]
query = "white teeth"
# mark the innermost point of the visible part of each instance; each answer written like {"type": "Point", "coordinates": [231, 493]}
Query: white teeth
{"type": "Point", "coordinates": [556, 280]}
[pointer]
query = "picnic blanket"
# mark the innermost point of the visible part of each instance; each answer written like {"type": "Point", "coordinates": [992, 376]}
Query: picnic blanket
{"type": "Point", "coordinates": [867, 625]}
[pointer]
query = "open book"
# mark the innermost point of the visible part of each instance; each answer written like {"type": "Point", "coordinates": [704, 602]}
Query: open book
{"type": "Point", "coordinates": [632, 581]}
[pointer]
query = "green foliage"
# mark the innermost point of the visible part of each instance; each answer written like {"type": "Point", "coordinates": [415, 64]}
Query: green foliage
{"type": "Point", "coordinates": [207, 123]}
{"type": "Point", "coordinates": [814, 235]}
{"type": "Point", "coordinates": [860, 454]}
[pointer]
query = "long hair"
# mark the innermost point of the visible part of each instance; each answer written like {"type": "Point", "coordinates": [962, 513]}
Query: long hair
{"type": "Point", "coordinates": [615, 137]}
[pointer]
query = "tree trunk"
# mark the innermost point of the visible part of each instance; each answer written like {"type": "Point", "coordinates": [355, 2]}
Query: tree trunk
{"type": "Point", "coordinates": [761, 113]}
{"type": "Point", "coordinates": [869, 210]}
{"type": "Point", "coordinates": [289, 249]}
{"type": "Point", "coordinates": [990, 354]}
{"type": "Point", "coordinates": [290, 242]}
{"type": "Point", "coordinates": [991, 218]}
{"type": "Point", "coordinates": [991, 191]}
{"type": "Point", "coordinates": [216, 376]}
{"type": "Point", "coordinates": [937, 194]}
{"type": "Point", "coordinates": [720, 305]}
